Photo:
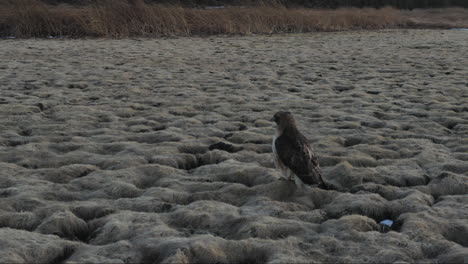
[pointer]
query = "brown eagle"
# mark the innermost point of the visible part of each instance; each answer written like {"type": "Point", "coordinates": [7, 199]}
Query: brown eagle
{"type": "Point", "coordinates": [293, 154]}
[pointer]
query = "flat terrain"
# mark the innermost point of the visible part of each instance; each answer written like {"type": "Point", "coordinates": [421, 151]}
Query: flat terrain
{"type": "Point", "coordinates": [105, 148]}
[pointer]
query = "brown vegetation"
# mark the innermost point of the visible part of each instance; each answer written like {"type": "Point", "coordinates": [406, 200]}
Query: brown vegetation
{"type": "Point", "coordinates": [442, 18]}
{"type": "Point", "coordinates": [135, 18]}
{"type": "Point", "coordinates": [403, 4]}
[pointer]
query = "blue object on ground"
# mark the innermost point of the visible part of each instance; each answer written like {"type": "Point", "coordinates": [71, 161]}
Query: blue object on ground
{"type": "Point", "coordinates": [387, 222]}
{"type": "Point", "coordinates": [459, 28]}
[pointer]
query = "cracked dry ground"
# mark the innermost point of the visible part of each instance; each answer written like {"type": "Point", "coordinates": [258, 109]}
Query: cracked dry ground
{"type": "Point", "coordinates": [104, 149]}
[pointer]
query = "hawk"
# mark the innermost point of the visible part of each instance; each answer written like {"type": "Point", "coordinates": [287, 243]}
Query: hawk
{"type": "Point", "coordinates": [292, 152]}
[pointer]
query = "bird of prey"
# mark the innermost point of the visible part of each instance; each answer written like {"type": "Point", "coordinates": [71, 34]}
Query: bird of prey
{"type": "Point", "coordinates": [293, 153]}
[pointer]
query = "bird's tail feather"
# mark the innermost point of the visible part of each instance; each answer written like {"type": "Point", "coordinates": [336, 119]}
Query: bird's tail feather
{"type": "Point", "coordinates": [322, 184]}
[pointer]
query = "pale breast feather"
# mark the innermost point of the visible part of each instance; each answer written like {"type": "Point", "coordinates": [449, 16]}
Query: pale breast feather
{"type": "Point", "coordinates": [276, 157]}
{"type": "Point", "coordinates": [273, 145]}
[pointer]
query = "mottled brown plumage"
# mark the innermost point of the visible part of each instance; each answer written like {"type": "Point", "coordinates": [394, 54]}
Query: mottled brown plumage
{"type": "Point", "coordinates": [293, 153]}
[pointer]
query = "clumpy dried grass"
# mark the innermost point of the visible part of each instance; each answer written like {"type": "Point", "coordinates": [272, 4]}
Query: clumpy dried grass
{"type": "Point", "coordinates": [19, 246]}
{"type": "Point", "coordinates": [66, 225]}
{"type": "Point", "coordinates": [135, 18]}
{"type": "Point", "coordinates": [19, 220]}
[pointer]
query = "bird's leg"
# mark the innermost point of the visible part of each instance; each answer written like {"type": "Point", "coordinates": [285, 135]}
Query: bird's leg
{"type": "Point", "coordinates": [290, 175]}
{"type": "Point", "coordinates": [285, 174]}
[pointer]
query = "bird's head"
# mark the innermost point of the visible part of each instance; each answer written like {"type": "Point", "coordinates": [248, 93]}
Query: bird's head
{"type": "Point", "coordinates": [283, 119]}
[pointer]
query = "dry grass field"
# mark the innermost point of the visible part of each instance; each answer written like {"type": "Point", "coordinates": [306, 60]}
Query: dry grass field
{"type": "Point", "coordinates": [107, 148]}
{"type": "Point", "coordinates": [135, 18]}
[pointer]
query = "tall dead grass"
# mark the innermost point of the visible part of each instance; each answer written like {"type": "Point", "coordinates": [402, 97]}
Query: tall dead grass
{"type": "Point", "coordinates": [32, 18]}
{"type": "Point", "coordinates": [135, 18]}
{"type": "Point", "coordinates": [438, 17]}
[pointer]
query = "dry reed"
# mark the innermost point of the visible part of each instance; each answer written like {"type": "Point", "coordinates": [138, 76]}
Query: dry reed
{"type": "Point", "coordinates": [135, 18]}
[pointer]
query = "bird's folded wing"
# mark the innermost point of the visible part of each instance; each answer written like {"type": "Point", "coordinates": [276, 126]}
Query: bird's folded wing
{"type": "Point", "coordinates": [297, 154]}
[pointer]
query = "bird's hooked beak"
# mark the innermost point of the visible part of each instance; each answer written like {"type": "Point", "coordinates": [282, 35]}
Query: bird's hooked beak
{"type": "Point", "coordinates": [274, 118]}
